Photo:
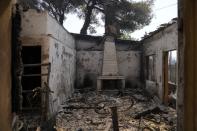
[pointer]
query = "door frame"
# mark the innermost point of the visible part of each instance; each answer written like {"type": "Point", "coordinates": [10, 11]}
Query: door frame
{"type": "Point", "coordinates": [165, 77]}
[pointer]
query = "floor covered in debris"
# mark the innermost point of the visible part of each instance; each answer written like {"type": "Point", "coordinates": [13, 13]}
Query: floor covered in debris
{"type": "Point", "coordinates": [136, 111]}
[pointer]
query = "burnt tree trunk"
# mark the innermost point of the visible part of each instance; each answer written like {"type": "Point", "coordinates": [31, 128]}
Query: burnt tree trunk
{"type": "Point", "coordinates": [61, 11]}
{"type": "Point", "coordinates": [87, 18]}
{"type": "Point", "coordinates": [111, 27]}
{"type": "Point", "coordinates": [61, 19]}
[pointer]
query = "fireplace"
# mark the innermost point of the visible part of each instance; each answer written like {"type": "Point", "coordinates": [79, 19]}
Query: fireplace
{"type": "Point", "coordinates": [110, 68]}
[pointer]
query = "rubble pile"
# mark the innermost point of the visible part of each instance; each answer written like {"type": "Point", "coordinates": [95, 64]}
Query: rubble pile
{"type": "Point", "coordinates": [26, 122]}
{"type": "Point", "coordinates": [136, 111]}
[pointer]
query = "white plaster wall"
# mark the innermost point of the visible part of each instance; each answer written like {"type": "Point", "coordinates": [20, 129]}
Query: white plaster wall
{"type": "Point", "coordinates": [59, 49]}
{"type": "Point", "coordinates": [89, 45]}
{"type": "Point", "coordinates": [41, 23]}
{"type": "Point", "coordinates": [33, 23]}
{"type": "Point", "coordinates": [59, 33]}
{"type": "Point", "coordinates": [129, 66]}
{"type": "Point", "coordinates": [165, 40]}
{"type": "Point", "coordinates": [62, 76]}
{"type": "Point", "coordinates": [90, 58]}
{"type": "Point", "coordinates": [90, 63]}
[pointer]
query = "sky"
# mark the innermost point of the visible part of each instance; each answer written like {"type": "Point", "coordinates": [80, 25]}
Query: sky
{"type": "Point", "coordinates": [163, 12]}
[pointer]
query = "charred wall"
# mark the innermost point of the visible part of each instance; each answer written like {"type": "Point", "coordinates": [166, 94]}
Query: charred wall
{"type": "Point", "coordinates": [57, 48]}
{"type": "Point", "coordinates": [162, 41]}
{"type": "Point", "coordinates": [16, 60]}
{"type": "Point", "coordinates": [90, 57]}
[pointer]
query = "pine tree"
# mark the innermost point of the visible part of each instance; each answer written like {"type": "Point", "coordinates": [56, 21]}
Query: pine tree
{"type": "Point", "coordinates": [119, 16]}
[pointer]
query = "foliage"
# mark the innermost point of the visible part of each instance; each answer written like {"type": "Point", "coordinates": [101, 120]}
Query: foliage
{"type": "Point", "coordinates": [126, 15]}
{"type": "Point", "coordinates": [123, 15]}
{"type": "Point", "coordinates": [33, 4]}
{"type": "Point", "coordinates": [126, 36]}
{"type": "Point", "coordinates": [58, 8]}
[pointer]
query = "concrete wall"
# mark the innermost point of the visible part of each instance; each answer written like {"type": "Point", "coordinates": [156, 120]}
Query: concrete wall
{"type": "Point", "coordinates": [5, 66]}
{"type": "Point", "coordinates": [164, 40]}
{"type": "Point", "coordinates": [62, 77]}
{"type": "Point", "coordinates": [58, 48]}
{"type": "Point", "coordinates": [84, 54]}
{"type": "Point", "coordinates": [90, 58]}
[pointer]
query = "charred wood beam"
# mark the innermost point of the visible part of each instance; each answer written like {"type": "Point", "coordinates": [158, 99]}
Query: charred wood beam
{"type": "Point", "coordinates": [81, 107]}
{"type": "Point", "coordinates": [115, 118]}
{"type": "Point", "coordinates": [148, 111]}
{"type": "Point", "coordinates": [32, 75]}
{"type": "Point", "coordinates": [33, 65]}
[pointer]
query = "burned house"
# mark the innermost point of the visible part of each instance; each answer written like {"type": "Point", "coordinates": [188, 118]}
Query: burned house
{"type": "Point", "coordinates": [90, 60]}
{"type": "Point", "coordinates": [52, 52]}
{"type": "Point", "coordinates": [56, 63]}
{"type": "Point", "coordinates": [161, 64]}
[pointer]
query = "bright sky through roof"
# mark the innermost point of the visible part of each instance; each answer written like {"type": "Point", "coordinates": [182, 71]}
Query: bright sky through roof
{"type": "Point", "coordinates": [163, 11]}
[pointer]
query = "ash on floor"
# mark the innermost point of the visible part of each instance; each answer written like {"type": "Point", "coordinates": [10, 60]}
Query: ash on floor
{"type": "Point", "coordinates": [136, 112]}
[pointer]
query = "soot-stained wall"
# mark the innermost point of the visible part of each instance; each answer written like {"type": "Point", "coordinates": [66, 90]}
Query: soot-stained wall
{"type": "Point", "coordinates": [58, 48]}
{"type": "Point", "coordinates": [157, 44]}
{"type": "Point", "coordinates": [90, 57]}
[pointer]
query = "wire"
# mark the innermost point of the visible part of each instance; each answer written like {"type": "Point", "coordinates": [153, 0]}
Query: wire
{"type": "Point", "coordinates": [166, 7]}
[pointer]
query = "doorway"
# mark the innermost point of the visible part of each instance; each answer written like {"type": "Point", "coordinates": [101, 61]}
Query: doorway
{"type": "Point", "coordinates": [31, 79]}
{"type": "Point", "coordinates": [170, 78]}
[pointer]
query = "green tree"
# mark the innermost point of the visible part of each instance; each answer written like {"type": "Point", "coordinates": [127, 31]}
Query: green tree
{"type": "Point", "coordinates": [29, 4]}
{"type": "Point", "coordinates": [126, 36]}
{"type": "Point", "coordinates": [119, 16]}
{"type": "Point", "coordinates": [58, 8]}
